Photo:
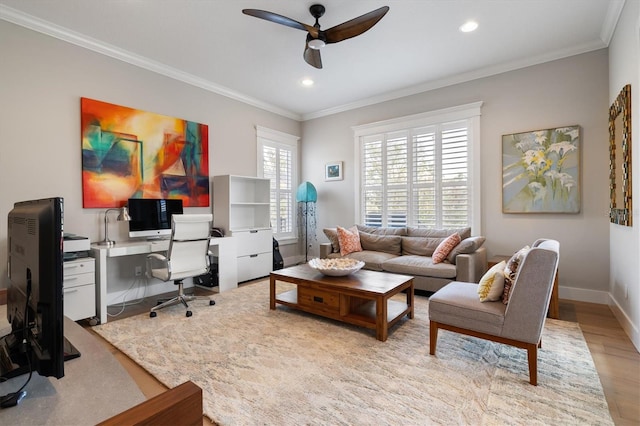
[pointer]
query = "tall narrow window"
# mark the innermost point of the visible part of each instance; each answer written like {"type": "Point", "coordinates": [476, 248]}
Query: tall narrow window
{"type": "Point", "coordinates": [277, 158]}
{"type": "Point", "coordinates": [420, 170]}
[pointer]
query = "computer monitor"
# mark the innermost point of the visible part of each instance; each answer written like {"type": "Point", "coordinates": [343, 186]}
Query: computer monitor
{"type": "Point", "coordinates": [35, 297]}
{"type": "Point", "coordinates": [151, 217]}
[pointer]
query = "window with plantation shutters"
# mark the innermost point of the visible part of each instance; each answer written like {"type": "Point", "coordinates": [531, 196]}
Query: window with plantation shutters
{"type": "Point", "coordinates": [277, 154]}
{"type": "Point", "coordinates": [419, 171]}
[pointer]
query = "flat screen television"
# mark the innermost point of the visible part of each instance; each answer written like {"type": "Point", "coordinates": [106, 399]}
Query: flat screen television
{"type": "Point", "coordinates": [151, 217]}
{"type": "Point", "coordinates": [35, 297]}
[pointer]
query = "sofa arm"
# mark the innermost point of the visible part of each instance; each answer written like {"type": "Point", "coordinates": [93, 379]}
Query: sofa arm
{"type": "Point", "coordinates": [325, 250]}
{"type": "Point", "coordinates": [471, 267]}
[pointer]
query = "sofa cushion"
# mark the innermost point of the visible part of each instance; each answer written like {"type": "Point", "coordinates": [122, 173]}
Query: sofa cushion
{"type": "Point", "coordinates": [419, 265]}
{"type": "Point", "coordinates": [466, 246]}
{"type": "Point", "coordinates": [381, 230]}
{"type": "Point", "coordinates": [438, 233]}
{"type": "Point", "coordinates": [373, 260]}
{"type": "Point", "coordinates": [332, 235]}
{"type": "Point", "coordinates": [457, 304]}
{"type": "Point", "coordinates": [445, 247]}
{"type": "Point", "coordinates": [384, 243]}
{"type": "Point", "coordinates": [420, 246]}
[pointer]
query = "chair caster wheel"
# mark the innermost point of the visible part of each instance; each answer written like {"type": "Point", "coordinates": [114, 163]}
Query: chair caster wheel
{"type": "Point", "coordinates": [153, 314]}
{"type": "Point", "coordinates": [212, 302]}
{"type": "Point", "coordinates": [189, 314]}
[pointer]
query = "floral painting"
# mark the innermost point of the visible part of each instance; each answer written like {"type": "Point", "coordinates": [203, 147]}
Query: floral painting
{"type": "Point", "coordinates": [541, 171]}
{"type": "Point", "coordinates": [128, 153]}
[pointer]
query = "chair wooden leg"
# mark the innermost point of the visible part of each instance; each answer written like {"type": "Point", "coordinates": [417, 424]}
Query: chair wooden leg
{"type": "Point", "coordinates": [433, 337]}
{"type": "Point", "coordinates": [532, 355]}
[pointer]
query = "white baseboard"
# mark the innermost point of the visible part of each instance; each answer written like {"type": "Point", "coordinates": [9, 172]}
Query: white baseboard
{"type": "Point", "coordinates": [604, 298]}
{"type": "Point", "coordinates": [293, 260]}
{"type": "Point", "coordinates": [583, 295]}
{"type": "Point", "coordinates": [626, 323]}
{"type": "Point", "coordinates": [144, 288]}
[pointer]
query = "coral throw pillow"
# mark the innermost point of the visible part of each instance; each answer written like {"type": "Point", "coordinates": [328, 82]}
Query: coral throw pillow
{"type": "Point", "coordinates": [349, 240]}
{"type": "Point", "coordinates": [445, 247]}
{"type": "Point", "coordinates": [491, 284]}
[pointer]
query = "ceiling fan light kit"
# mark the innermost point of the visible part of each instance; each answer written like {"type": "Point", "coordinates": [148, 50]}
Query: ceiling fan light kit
{"type": "Point", "coordinates": [317, 38]}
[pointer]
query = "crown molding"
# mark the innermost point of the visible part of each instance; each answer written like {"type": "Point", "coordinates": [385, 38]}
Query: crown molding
{"type": "Point", "coordinates": [39, 25]}
{"type": "Point", "coordinates": [458, 79]}
{"type": "Point", "coordinates": [28, 21]}
{"type": "Point", "coordinates": [611, 20]}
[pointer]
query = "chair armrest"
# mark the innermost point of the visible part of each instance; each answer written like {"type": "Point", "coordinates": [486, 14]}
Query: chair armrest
{"type": "Point", "coordinates": [325, 250]}
{"type": "Point", "coordinates": [155, 261]}
{"type": "Point", "coordinates": [472, 266]}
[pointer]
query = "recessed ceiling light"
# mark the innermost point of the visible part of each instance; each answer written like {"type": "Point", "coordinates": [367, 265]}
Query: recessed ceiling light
{"type": "Point", "coordinates": [469, 26]}
{"type": "Point", "coordinates": [307, 82]}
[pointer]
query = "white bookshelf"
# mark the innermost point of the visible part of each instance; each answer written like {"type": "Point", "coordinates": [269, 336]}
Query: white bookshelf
{"type": "Point", "coordinates": [241, 207]}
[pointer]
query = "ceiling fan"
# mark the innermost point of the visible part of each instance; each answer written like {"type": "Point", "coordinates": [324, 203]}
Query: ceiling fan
{"type": "Point", "coordinates": [317, 38]}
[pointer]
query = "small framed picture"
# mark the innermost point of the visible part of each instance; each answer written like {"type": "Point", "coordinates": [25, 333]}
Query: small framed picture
{"type": "Point", "coordinates": [333, 171]}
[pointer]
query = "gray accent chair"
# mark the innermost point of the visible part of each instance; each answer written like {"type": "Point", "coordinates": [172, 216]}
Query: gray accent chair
{"type": "Point", "coordinates": [457, 307]}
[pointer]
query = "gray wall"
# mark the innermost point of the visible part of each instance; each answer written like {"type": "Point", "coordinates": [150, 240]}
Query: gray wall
{"type": "Point", "coordinates": [41, 82]}
{"type": "Point", "coordinates": [624, 68]}
{"type": "Point", "coordinates": [559, 93]}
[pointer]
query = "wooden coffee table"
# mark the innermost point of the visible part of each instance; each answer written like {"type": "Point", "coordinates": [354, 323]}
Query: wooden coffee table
{"type": "Point", "coordinates": [362, 298]}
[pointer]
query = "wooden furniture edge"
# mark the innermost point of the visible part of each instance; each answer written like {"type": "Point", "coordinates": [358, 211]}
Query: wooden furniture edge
{"type": "Point", "coordinates": [3, 296]}
{"type": "Point", "coordinates": [531, 348]}
{"type": "Point", "coordinates": [181, 405]}
{"type": "Point", "coordinates": [379, 320]}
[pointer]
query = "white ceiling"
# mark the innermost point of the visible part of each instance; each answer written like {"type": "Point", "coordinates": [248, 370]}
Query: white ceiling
{"type": "Point", "coordinates": [416, 47]}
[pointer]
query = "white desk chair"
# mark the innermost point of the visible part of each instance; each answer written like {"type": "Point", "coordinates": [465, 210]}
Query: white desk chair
{"type": "Point", "coordinates": [188, 256]}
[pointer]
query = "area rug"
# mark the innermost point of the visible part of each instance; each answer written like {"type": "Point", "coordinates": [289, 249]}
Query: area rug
{"type": "Point", "coordinates": [262, 367]}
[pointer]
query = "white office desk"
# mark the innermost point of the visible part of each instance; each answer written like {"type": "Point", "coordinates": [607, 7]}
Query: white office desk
{"type": "Point", "coordinates": [224, 248]}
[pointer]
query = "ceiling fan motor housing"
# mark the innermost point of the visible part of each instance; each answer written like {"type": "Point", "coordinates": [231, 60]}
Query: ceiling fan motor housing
{"type": "Point", "coordinates": [317, 10]}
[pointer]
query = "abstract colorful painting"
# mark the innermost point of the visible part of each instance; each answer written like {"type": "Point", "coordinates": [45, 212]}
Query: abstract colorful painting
{"type": "Point", "coordinates": [127, 153]}
{"type": "Point", "coordinates": [541, 171]}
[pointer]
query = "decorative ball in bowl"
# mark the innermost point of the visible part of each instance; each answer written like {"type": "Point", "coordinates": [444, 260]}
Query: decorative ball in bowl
{"type": "Point", "coordinates": [336, 267]}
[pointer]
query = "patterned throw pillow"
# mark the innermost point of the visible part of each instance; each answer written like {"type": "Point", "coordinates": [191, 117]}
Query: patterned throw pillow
{"type": "Point", "coordinates": [511, 272]}
{"type": "Point", "coordinates": [445, 247]}
{"type": "Point", "coordinates": [349, 240]}
{"type": "Point", "coordinates": [491, 284]}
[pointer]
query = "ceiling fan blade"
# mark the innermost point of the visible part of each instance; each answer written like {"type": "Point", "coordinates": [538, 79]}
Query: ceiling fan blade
{"type": "Point", "coordinates": [355, 26]}
{"type": "Point", "coordinates": [282, 20]}
{"type": "Point", "coordinates": [312, 56]}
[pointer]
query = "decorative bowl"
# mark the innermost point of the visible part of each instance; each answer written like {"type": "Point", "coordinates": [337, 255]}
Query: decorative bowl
{"type": "Point", "coordinates": [336, 267]}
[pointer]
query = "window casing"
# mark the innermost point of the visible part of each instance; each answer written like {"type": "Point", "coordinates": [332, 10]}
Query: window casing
{"type": "Point", "coordinates": [277, 161]}
{"type": "Point", "coordinates": [422, 170]}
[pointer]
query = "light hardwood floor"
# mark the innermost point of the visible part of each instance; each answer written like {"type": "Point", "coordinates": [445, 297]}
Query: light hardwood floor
{"type": "Point", "coordinates": [615, 358]}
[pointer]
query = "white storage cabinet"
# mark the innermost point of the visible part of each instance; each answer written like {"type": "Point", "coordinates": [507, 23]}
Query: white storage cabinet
{"type": "Point", "coordinates": [241, 207]}
{"type": "Point", "coordinates": [79, 288]}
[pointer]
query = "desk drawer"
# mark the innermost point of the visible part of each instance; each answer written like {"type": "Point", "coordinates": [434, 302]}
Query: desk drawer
{"type": "Point", "coordinates": [319, 299]}
{"type": "Point", "coordinates": [79, 302]}
{"type": "Point", "coordinates": [253, 242]}
{"type": "Point", "coordinates": [71, 281]}
{"type": "Point", "coordinates": [79, 266]}
{"type": "Point", "coordinates": [255, 266]}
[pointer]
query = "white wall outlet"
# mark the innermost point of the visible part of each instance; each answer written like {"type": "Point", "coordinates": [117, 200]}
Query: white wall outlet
{"type": "Point", "coordinates": [138, 271]}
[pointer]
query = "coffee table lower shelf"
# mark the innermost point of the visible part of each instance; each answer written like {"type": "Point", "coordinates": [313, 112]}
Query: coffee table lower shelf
{"type": "Point", "coordinates": [363, 315]}
{"type": "Point", "coordinates": [363, 299]}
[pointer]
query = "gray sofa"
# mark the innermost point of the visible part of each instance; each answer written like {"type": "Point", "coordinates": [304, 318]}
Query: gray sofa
{"type": "Point", "coordinates": [408, 251]}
